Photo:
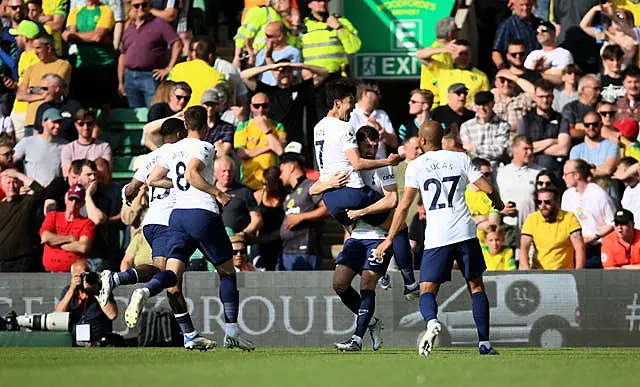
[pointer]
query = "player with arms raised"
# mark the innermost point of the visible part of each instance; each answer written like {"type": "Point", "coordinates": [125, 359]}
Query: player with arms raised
{"type": "Point", "coordinates": [442, 177]}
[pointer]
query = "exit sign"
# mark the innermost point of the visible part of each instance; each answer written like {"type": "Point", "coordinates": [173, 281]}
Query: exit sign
{"type": "Point", "coordinates": [404, 65]}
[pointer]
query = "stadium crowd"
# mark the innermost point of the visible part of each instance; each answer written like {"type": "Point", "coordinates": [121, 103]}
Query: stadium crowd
{"type": "Point", "coordinates": [553, 121]}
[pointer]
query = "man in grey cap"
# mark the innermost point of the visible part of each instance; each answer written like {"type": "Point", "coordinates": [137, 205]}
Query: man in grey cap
{"type": "Point", "coordinates": [486, 135]}
{"type": "Point", "coordinates": [41, 152]}
{"type": "Point", "coordinates": [220, 132]}
{"type": "Point", "coordinates": [454, 113]}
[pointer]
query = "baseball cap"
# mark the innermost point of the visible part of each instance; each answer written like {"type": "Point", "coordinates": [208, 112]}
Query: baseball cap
{"type": "Point", "coordinates": [628, 127]}
{"type": "Point", "coordinates": [26, 28]}
{"type": "Point", "coordinates": [546, 26]}
{"type": "Point", "coordinates": [76, 191]}
{"type": "Point", "coordinates": [483, 98]}
{"type": "Point", "coordinates": [52, 114]}
{"type": "Point", "coordinates": [623, 217]}
{"type": "Point", "coordinates": [457, 87]}
{"type": "Point", "coordinates": [293, 147]}
{"type": "Point", "coordinates": [210, 96]}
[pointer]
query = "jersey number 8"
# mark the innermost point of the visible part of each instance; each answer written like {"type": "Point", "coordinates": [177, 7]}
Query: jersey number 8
{"type": "Point", "coordinates": [181, 181]}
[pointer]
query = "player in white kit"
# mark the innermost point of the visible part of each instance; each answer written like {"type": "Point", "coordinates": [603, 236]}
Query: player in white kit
{"type": "Point", "coordinates": [441, 177]}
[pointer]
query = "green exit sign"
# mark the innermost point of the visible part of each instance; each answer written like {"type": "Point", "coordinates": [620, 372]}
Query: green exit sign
{"type": "Point", "coordinates": [385, 65]}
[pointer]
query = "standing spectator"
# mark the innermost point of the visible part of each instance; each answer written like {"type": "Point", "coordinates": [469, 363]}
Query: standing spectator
{"type": "Point", "coordinates": [573, 113]}
{"type": "Point", "coordinates": [166, 9]}
{"type": "Point", "coordinates": [301, 229]}
{"type": "Point", "coordinates": [611, 76]}
{"type": "Point", "coordinates": [240, 259]}
{"type": "Point", "coordinates": [6, 154]}
{"type": "Point", "coordinates": [18, 229]}
{"type": "Point", "coordinates": [612, 32]}
{"type": "Point", "coordinates": [521, 25]}
{"type": "Point", "coordinates": [118, 9]}
{"type": "Point", "coordinates": [601, 153]}
{"type": "Point", "coordinates": [446, 32]}
{"type": "Point", "coordinates": [53, 88]}
{"type": "Point", "coordinates": [621, 249]}
{"type": "Point", "coordinates": [628, 137]}
{"type": "Point", "coordinates": [270, 205]}
{"type": "Point", "coordinates": [241, 213]}
{"type": "Point", "coordinates": [509, 105]}
{"type": "Point", "coordinates": [10, 47]}
{"type": "Point", "coordinates": [555, 234]}
{"type": "Point", "coordinates": [139, 75]}
{"type": "Point", "coordinates": [366, 113]}
{"type": "Point", "coordinates": [54, 16]}
{"type": "Point", "coordinates": [629, 105]}
{"type": "Point", "coordinates": [198, 72]}
{"type": "Point", "coordinates": [67, 235]}
{"type": "Point", "coordinates": [550, 59]}
{"type": "Point", "coordinates": [239, 94]}
{"type": "Point", "coordinates": [610, 130]}
{"type": "Point", "coordinates": [220, 132]}
{"type": "Point", "coordinates": [486, 135]}
{"type": "Point", "coordinates": [627, 173]}
{"type": "Point", "coordinates": [420, 103]}
{"type": "Point", "coordinates": [567, 15]}
{"type": "Point", "coordinates": [454, 113]}
{"type": "Point", "coordinates": [41, 153]}
{"type": "Point", "coordinates": [516, 55]}
{"type": "Point", "coordinates": [569, 91]}
{"type": "Point", "coordinates": [551, 143]}
{"type": "Point", "coordinates": [258, 142]}
{"type": "Point", "coordinates": [178, 99]}
{"type": "Point", "coordinates": [412, 151]}
{"type": "Point", "coordinates": [277, 48]}
{"type": "Point", "coordinates": [480, 206]}
{"type": "Point", "coordinates": [86, 146]}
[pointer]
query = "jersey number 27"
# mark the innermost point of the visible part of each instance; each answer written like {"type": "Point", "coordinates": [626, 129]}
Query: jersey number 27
{"type": "Point", "coordinates": [438, 189]}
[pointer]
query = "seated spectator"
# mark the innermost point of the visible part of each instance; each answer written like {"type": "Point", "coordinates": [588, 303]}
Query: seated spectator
{"type": "Point", "coordinates": [550, 59]}
{"type": "Point", "coordinates": [621, 249]}
{"type": "Point", "coordinates": [240, 259]}
{"type": "Point", "coordinates": [54, 97]}
{"type": "Point", "coordinates": [86, 146]}
{"type": "Point", "coordinates": [6, 158]}
{"type": "Point", "coordinates": [611, 76]}
{"type": "Point", "coordinates": [556, 235]}
{"type": "Point", "coordinates": [18, 230]}
{"type": "Point", "coordinates": [270, 201]}
{"type": "Point", "coordinates": [258, 142]}
{"type": "Point", "coordinates": [628, 106]}
{"type": "Point", "coordinates": [480, 206]}
{"type": "Point", "coordinates": [569, 91]}
{"type": "Point", "coordinates": [628, 141]}
{"type": "Point", "coordinates": [454, 113]}
{"type": "Point", "coordinates": [41, 153]}
{"type": "Point", "coordinates": [521, 25]}
{"type": "Point", "coordinates": [67, 236]}
{"type": "Point", "coordinates": [80, 299]}
{"type": "Point", "coordinates": [601, 153]}
{"type": "Point", "coordinates": [220, 132]}
{"type": "Point", "coordinates": [277, 48]}
{"type": "Point", "coordinates": [420, 103]}
{"type": "Point", "coordinates": [607, 112]}
{"type": "Point", "coordinates": [497, 256]}
{"type": "Point", "coordinates": [592, 206]}
{"type": "Point", "coordinates": [486, 135]}
{"type": "Point", "coordinates": [516, 55]}
{"type": "Point", "coordinates": [241, 213]}
{"type": "Point", "coordinates": [178, 100]}
{"type": "Point", "coordinates": [574, 112]}
{"type": "Point", "coordinates": [509, 105]}
{"type": "Point", "coordinates": [627, 172]}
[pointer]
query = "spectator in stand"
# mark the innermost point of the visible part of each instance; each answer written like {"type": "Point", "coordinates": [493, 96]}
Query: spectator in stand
{"type": "Point", "coordinates": [163, 92]}
{"type": "Point", "coordinates": [86, 146]}
{"type": "Point", "coordinates": [166, 9]}
{"type": "Point", "coordinates": [551, 143]}
{"type": "Point", "coordinates": [139, 75]}
{"type": "Point", "coordinates": [118, 9]}
{"type": "Point", "coordinates": [611, 75]}
{"type": "Point", "coordinates": [556, 235]}
{"type": "Point", "coordinates": [597, 151]}
{"type": "Point", "coordinates": [454, 113]}
{"type": "Point", "coordinates": [6, 153]}
{"type": "Point", "coordinates": [607, 112]}
{"type": "Point", "coordinates": [521, 25]}
{"type": "Point", "coordinates": [412, 151]}
{"type": "Point", "coordinates": [31, 89]}
{"type": "Point", "coordinates": [198, 72]}
{"type": "Point", "coordinates": [6, 128]}
{"type": "Point", "coordinates": [258, 142]}
{"type": "Point", "coordinates": [240, 258]}
{"type": "Point", "coordinates": [550, 59]}
{"type": "Point", "coordinates": [301, 229]}
{"type": "Point", "coordinates": [220, 132]}
{"type": "Point", "coordinates": [613, 33]}
{"type": "Point", "coordinates": [241, 213]}
{"type": "Point", "coordinates": [446, 32]}
{"type": "Point", "coordinates": [516, 55]}
{"type": "Point", "coordinates": [54, 97]}
{"type": "Point", "coordinates": [54, 15]}
{"type": "Point", "coordinates": [569, 91]}
{"type": "Point", "coordinates": [132, 214]}
{"type": "Point", "coordinates": [574, 112]}
{"type": "Point", "coordinates": [420, 103]}
{"type": "Point", "coordinates": [66, 235]}
{"type": "Point", "coordinates": [108, 232]}
{"type": "Point", "coordinates": [486, 135]}
{"type": "Point", "coordinates": [367, 113]}
{"type": "Point", "coordinates": [10, 48]}
{"type": "Point", "coordinates": [629, 105]}
{"type": "Point", "coordinates": [480, 206]}
{"type": "Point", "coordinates": [627, 172]}
{"type": "Point", "coordinates": [628, 138]}
{"type": "Point", "coordinates": [621, 249]}
{"type": "Point", "coordinates": [497, 256]}
{"type": "Point", "coordinates": [178, 100]}
{"type": "Point", "coordinates": [591, 205]}
{"type": "Point", "coordinates": [509, 105]}
{"type": "Point", "coordinates": [276, 49]}
{"type": "Point", "coordinates": [18, 229]}
{"type": "Point", "coordinates": [270, 201]}
{"type": "Point", "coordinates": [41, 153]}
{"type": "Point", "coordinates": [55, 191]}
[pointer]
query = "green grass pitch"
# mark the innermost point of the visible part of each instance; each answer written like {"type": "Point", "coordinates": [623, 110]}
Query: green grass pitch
{"type": "Point", "coordinates": [307, 367]}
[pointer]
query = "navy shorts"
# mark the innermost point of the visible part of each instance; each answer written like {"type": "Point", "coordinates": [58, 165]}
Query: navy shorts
{"type": "Point", "coordinates": [437, 263]}
{"type": "Point", "coordinates": [356, 252]}
{"type": "Point", "coordinates": [338, 201]}
{"type": "Point", "coordinates": [157, 237]}
{"type": "Point", "coordinates": [193, 229]}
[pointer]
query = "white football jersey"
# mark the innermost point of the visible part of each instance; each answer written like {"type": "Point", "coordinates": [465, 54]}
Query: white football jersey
{"type": "Point", "coordinates": [442, 177]}
{"type": "Point", "coordinates": [376, 180]}
{"type": "Point", "coordinates": [175, 158]}
{"type": "Point", "coordinates": [161, 200]}
{"type": "Point", "coordinates": [331, 138]}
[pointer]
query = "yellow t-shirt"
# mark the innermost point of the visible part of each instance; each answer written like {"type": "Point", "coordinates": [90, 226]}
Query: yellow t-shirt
{"type": "Point", "coordinates": [501, 261]}
{"type": "Point", "coordinates": [249, 136]}
{"type": "Point", "coordinates": [27, 59]}
{"type": "Point", "coordinates": [199, 75]}
{"type": "Point", "coordinates": [474, 79]}
{"type": "Point", "coordinates": [428, 78]}
{"type": "Point", "coordinates": [479, 205]}
{"type": "Point", "coordinates": [552, 241]}
{"type": "Point", "coordinates": [51, 8]}
{"type": "Point", "coordinates": [34, 75]}
{"type": "Point", "coordinates": [631, 149]}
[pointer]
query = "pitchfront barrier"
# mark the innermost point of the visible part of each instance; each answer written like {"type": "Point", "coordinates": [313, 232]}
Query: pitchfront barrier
{"type": "Point", "coordinates": [552, 309]}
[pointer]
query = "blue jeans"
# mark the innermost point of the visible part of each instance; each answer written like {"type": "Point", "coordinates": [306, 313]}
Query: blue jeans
{"type": "Point", "coordinates": [297, 262]}
{"type": "Point", "coordinates": [140, 87]}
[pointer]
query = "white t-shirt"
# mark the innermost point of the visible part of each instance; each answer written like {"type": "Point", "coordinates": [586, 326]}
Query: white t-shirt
{"type": "Point", "coordinates": [557, 59]}
{"type": "Point", "coordinates": [6, 125]}
{"type": "Point", "coordinates": [517, 184]}
{"type": "Point", "coordinates": [631, 201]}
{"type": "Point", "coordinates": [593, 208]}
{"type": "Point", "coordinates": [332, 137]}
{"type": "Point", "coordinates": [175, 158]}
{"type": "Point", "coordinates": [442, 177]}
{"type": "Point", "coordinates": [161, 200]}
{"type": "Point", "coordinates": [377, 180]}
{"type": "Point", "coordinates": [359, 119]}
{"type": "Point", "coordinates": [231, 73]}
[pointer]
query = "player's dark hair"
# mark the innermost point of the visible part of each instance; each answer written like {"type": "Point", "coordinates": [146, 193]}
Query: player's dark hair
{"type": "Point", "coordinates": [339, 90]}
{"type": "Point", "coordinates": [273, 187]}
{"type": "Point", "coordinates": [195, 118]}
{"type": "Point", "coordinates": [172, 126]}
{"type": "Point", "coordinates": [552, 190]}
{"type": "Point", "coordinates": [631, 71]}
{"type": "Point", "coordinates": [367, 132]}
{"type": "Point", "coordinates": [290, 157]}
{"type": "Point", "coordinates": [582, 168]}
{"type": "Point", "coordinates": [480, 162]}
{"type": "Point", "coordinates": [628, 161]}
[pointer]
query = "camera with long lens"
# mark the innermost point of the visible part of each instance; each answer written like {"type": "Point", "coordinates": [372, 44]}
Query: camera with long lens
{"type": "Point", "coordinates": [56, 321]}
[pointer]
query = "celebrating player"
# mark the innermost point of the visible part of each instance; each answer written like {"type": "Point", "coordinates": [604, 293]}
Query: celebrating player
{"type": "Point", "coordinates": [450, 234]}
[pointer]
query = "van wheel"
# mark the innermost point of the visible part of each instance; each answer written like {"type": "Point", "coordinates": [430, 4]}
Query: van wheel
{"type": "Point", "coordinates": [549, 333]}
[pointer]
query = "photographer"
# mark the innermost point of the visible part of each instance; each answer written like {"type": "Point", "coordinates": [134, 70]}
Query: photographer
{"type": "Point", "coordinates": [80, 299]}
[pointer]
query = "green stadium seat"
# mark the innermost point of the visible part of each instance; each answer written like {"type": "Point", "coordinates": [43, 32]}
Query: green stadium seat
{"type": "Point", "coordinates": [124, 131]}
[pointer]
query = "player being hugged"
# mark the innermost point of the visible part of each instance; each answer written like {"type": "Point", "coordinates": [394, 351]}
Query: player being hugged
{"type": "Point", "coordinates": [194, 223]}
{"type": "Point", "coordinates": [442, 177]}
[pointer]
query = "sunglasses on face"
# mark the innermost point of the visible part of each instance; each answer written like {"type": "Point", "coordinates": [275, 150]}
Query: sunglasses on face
{"type": "Point", "coordinates": [264, 105]}
{"type": "Point", "coordinates": [609, 113]}
{"type": "Point", "coordinates": [541, 202]}
{"type": "Point", "coordinates": [544, 183]}
{"type": "Point", "coordinates": [542, 30]}
{"type": "Point", "coordinates": [85, 123]}
{"type": "Point", "coordinates": [592, 124]}
{"type": "Point", "coordinates": [415, 102]}
{"type": "Point", "coordinates": [461, 92]}
{"type": "Point", "coordinates": [518, 54]}
{"type": "Point", "coordinates": [15, 7]}
{"type": "Point", "coordinates": [140, 5]}
{"type": "Point", "coordinates": [181, 97]}
{"type": "Point", "coordinates": [241, 251]}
